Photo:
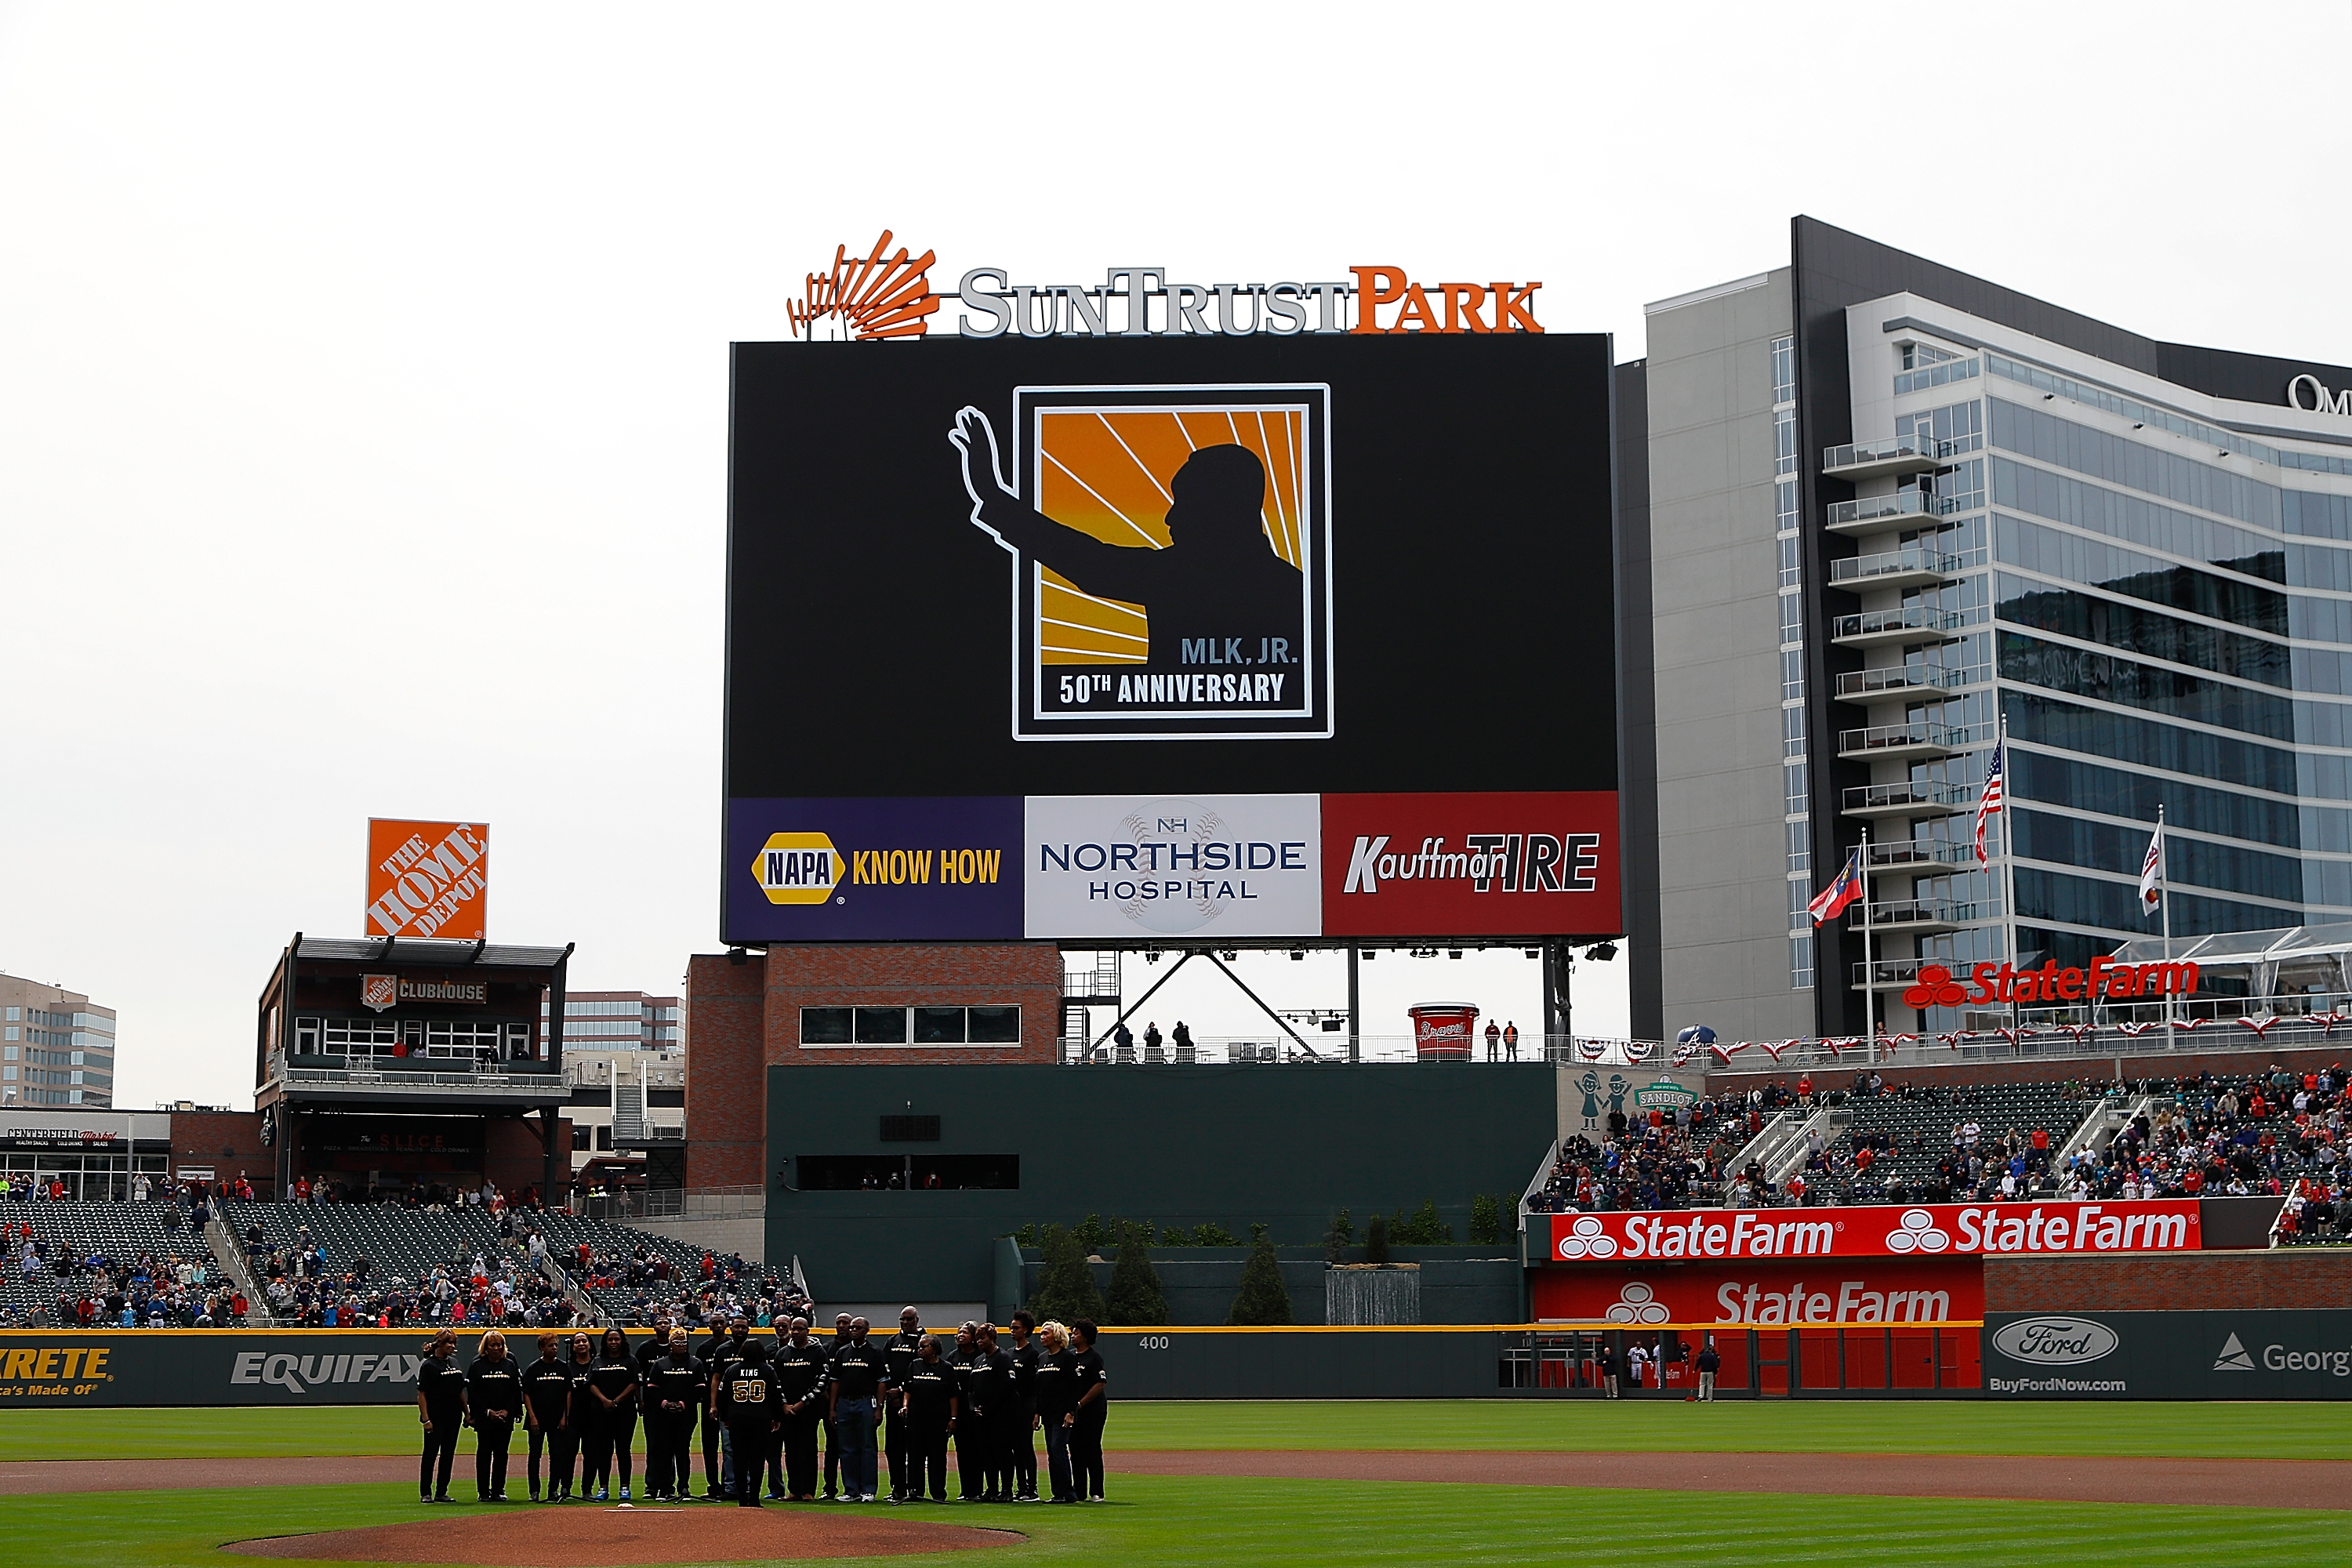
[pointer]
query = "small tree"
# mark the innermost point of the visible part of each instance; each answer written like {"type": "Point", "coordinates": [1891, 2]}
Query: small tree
{"type": "Point", "coordinates": [1065, 1289]}
{"type": "Point", "coordinates": [1376, 1238]}
{"type": "Point", "coordinates": [1339, 1238]}
{"type": "Point", "coordinates": [1262, 1301]}
{"type": "Point", "coordinates": [1135, 1294]}
{"type": "Point", "coordinates": [1485, 1221]}
{"type": "Point", "coordinates": [1209, 1232]}
{"type": "Point", "coordinates": [1092, 1233]}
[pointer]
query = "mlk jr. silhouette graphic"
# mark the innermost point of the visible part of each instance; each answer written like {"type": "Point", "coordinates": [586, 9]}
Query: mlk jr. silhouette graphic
{"type": "Point", "coordinates": [1218, 589]}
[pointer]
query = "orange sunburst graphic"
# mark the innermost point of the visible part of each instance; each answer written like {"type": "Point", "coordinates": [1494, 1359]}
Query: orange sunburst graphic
{"type": "Point", "coordinates": [880, 296]}
{"type": "Point", "coordinates": [1107, 472]}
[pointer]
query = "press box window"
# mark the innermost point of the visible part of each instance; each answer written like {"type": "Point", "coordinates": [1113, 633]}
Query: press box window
{"type": "Point", "coordinates": [824, 1026]}
{"type": "Point", "coordinates": [881, 1026]}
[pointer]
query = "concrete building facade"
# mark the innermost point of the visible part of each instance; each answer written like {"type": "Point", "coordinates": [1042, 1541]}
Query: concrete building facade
{"type": "Point", "coordinates": [56, 1046]}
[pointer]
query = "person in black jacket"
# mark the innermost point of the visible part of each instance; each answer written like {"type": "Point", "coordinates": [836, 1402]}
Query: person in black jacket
{"type": "Point", "coordinates": [832, 1428]}
{"type": "Point", "coordinates": [546, 1411]}
{"type": "Point", "coordinates": [674, 1391]}
{"type": "Point", "coordinates": [802, 1373]}
{"type": "Point", "coordinates": [1055, 1366]}
{"type": "Point", "coordinates": [1026, 1353]}
{"type": "Point", "coordinates": [1090, 1385]}
{"type": "Point", "coordinates": [974, 1374]}
{"type": "Point", "coordinates": [707, 1354]}
{"type": "Point", "coordinates": [580, 1418]}
{"type": "Point", "coordinates": [749, 1403]}
{"type": "Point", "coordinates": [860, 1376]}
{"type": "Point", "coordinates": [493, 1400]}
{"type": "Point", "coordinates": [998, 1416]}
{"type": "Point", "coordinates": [441, 1411]}
{"type": "Point", "coordinates": [926, 1407]}
{"type": "Point", "coordinates": [610, 1400]}
{"type": "Point", "coordinates": [720, 1364]}
{"type": "Point", "coordinates": [900, 1350]}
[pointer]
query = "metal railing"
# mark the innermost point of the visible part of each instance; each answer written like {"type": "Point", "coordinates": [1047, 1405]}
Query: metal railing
{"type": "Point", "coordinates": [1899, 737]}
{"type": "Point", "coordinates": [1929, 623]}
{"type": "Point", "coordinates": [1927, 792]}
{"type": "Point", "coordinates": [1921, 855]}
{"type": "Point", "coordinates": [702, 1202]}
{"type": "Point", "coordinates": [1914, 911]}
{"type": "Point", "coordinates": [1911, 558]}
{"type": "Point", "coordinates": [1856, 453]}
{"type": "Point", "coordinates": [1892, 679]}
{"type": "Point", "coordinates": [548, 1084]}
{"type": "Point", "coordinates": [1871, 509]}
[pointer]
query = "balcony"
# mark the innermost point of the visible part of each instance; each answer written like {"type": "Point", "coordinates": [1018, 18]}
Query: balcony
{"type": "Point", "coordinates": [1911, 857]}
{"type": "Point", "coordinates": [1901, 743]}
{"type": "Point", "coordinates": [1912, 567]}
{"type": "Point", "coordinates": [1909, 917]}
{"type": "Point", "coordinates": [1874, 514]}
{"type": "Point", "coordinates": [1911, 623]}
{"type": "Point", "coordinates": [1877, 459]}
{"type": "Point", "coordinates": [1891, 974]}
{"type": "Point", "coordinates": [1923, 684]}
{"type": "Point", "coordinates": [1906, 799]}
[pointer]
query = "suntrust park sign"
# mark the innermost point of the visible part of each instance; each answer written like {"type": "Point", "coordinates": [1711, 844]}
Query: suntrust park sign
{"type": "Point", "coordinates": [1921, 1231]}
{"type": "Point", "coordinates": [1139, 301]}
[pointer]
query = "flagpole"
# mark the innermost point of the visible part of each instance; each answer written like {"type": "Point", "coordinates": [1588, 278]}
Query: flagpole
{"type": "Point", "coordinates": [2164, 899]}
{"type": "Point", "coordinates": [1870, 970]}
{"type": "Point", "coordinates": [2008, 863]}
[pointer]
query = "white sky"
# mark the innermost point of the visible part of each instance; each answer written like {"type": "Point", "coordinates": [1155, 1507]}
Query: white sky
{"type": "Point", "coordinates": [362, 371]}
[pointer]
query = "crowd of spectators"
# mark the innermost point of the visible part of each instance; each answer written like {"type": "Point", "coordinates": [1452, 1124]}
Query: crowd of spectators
{"type": "Point", "coordinates": [142, 1292]}
{"type": "Point", "coordinates": [658, 1286]}
{"type": "Point", "coordinates": [2279, 1132]}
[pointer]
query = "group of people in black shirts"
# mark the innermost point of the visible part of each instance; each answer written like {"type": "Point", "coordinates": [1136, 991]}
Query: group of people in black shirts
{"type": "Point", "coordinates": [762, 1406]}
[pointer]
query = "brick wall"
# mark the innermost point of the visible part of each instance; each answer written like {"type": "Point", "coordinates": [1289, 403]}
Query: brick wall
{"type": "Point", "coordinates": [514, 1158]}
{"type": "Point", "coordinates": [726, 1062]}
{"type": "Point", "coordinates": [227, 1141]}
{"type": "Point", "coordinates": [2183, 1064]}
{"type": "Point", "coordinates": [1027, 975]}
{"type": "Point", "coordinates": [2156, 1281]}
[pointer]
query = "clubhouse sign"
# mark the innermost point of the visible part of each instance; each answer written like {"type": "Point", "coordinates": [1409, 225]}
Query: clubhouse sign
{"type": "Point", "coordinates": [1925, 1230]}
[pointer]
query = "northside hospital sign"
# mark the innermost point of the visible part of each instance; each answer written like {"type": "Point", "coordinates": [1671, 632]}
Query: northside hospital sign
{"type": "Point", "coordinates": [1921, 1231]}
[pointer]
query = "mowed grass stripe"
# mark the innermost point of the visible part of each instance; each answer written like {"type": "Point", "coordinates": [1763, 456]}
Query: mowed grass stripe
{"type": "Point", "coordinates": [2297, 1431]}
{"type": "Point", "coordinates": [1217, 1522]}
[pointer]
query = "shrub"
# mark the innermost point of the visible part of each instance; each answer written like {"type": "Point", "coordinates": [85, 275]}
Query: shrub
{"type": "Point", "coordinates": [1092, 1233]}
{"type": "Point", "coordinates": [1485, 1221]}
{"type": "Point", "coordinates": [1262, 1301]}
{"type": "Point", "coordinates": [1135, 1293]}
{"type": "Point", "coordinates": [1376, 1239]}
{"type": "Point", "coordinates": [1065, 1289]}
{"type": "Point", "coordinates": [1339, 1238]}
{"type": "Point", "coordinates": [1424, 1229]}
{"type": "Point", "coordinates": [1209, 1232]}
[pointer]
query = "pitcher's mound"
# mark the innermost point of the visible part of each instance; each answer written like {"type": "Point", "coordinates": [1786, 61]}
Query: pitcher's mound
{"type": "Point", "coordinates": [608, 1537]}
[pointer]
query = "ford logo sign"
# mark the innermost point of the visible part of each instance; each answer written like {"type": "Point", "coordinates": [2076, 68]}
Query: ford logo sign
{"type": "Point", "coordinates": [2055, 1342]}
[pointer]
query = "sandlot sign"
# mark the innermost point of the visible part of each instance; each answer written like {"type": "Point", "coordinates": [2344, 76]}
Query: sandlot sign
{"type": "Point", "coordinates": [1925, 1230]}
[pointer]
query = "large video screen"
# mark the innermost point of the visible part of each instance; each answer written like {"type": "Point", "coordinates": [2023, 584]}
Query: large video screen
{"type": "Point", "coordinates": [1142, 640]}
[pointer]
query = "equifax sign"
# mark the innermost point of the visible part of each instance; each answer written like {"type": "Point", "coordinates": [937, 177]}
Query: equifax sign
{"type": "Point", "coordinates": [1925, 1230]}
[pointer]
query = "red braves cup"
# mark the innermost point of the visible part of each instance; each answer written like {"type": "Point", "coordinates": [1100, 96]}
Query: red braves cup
{"type": "Point", "coordinates": [1442, 1031]}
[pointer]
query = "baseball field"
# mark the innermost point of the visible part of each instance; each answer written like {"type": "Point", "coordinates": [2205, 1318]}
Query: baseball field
{"type": "Point", "coordinates": [1470, 1482]}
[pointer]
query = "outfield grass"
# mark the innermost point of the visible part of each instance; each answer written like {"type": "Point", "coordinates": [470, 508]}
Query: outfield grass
{"type": "Point", "coordinates": [1244, 1524]}
{"type": "Point", "coordinates": [2297, 1431]}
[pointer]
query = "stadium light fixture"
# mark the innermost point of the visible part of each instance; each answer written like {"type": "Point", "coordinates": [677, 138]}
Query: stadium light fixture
{"type": "Point", "coordinates": [1452, 953]}
{"type": "Point", "coordinates": [1601, 952]}
{"type": "Point", "coordinates": [1297, 955]}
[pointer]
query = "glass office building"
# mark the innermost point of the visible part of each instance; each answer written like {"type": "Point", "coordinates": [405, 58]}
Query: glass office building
{"type": "Point", "coordinates": [1907, 505]}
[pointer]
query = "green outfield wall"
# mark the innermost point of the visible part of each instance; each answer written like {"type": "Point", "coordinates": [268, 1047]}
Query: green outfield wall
{"type": "Point", "coordinates": [1281, 1146]}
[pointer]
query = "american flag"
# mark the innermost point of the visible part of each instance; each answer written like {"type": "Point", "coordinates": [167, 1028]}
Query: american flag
{"type": "Point", "coordinates": [1991, 801]}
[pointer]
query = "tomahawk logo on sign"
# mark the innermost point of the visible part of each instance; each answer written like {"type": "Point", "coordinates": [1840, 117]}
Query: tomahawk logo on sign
{"type": "Point", "coordinates": [428, 879]}
{"type": "Point", "coordinates": [1171, 558]}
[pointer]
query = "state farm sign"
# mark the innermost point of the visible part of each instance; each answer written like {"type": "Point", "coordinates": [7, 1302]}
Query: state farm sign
{"type": "Point", "coordinates": [1867, 1290]}
{"type": "Point", "coordinates": [1925, 1230]}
